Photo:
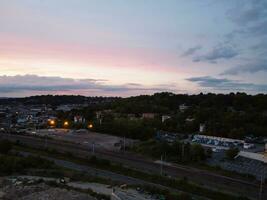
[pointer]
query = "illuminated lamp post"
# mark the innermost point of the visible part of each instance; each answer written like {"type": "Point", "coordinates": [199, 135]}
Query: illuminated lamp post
{"type": "Point", "coordinates": [90, 126]}
{"type": "Point", "coordinates": [52, 122]}
{"type": "Point", "coordinates": [66, 124]}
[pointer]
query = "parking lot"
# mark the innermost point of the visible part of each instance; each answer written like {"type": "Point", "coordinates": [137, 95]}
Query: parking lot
{"type": "Point", "coordinates": [87, 138]}
{"type": "Point", "coordinates": [240, 164]}
{"type": "Point", "coordinates": [220, 144]}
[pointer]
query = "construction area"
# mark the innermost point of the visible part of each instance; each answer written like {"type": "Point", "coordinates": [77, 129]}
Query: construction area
{"type": "Point", "coordinates": [21, 190]}
{"type": "Point", "coordinates": [42, 188]}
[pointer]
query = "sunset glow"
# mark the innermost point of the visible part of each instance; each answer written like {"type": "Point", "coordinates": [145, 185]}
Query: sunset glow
{"type": "Point", "coordinates": [122, 46]}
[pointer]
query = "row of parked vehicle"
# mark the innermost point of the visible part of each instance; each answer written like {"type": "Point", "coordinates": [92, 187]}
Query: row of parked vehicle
{"type": "Point", "coordinates": [222, 142]}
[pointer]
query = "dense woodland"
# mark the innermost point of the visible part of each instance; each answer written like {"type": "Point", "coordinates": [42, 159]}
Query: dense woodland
{"type": "Point", "coordinates": [232, 115]}
{"type": "Point", "coordinates": [228, 115]}
{"type": "Point", "coordinates": [55, 100]}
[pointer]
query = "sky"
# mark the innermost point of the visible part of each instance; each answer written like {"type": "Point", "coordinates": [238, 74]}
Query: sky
{"type": "Point", "coordinates": [132, 47]}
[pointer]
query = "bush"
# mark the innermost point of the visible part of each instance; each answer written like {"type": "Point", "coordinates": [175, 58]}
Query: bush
{"type": "Point", "coordinates": [231, 153]}
{"type": "Point", "coordinates": [209, 153]}
{"type": "Point", "coordinates": [5, 146]}
{"type": "Point", "coordinates": [197, 152]}
{"type": "Point", "coordinates": [184, 196]}
{"type": "Point", "coordinates": [13, 164]}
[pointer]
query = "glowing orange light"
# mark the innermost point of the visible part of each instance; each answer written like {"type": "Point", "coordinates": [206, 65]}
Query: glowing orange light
{"type": "Point", "coordinates": [66, 123]}
{"type": "Point", "coordinates": [52, 122]}
{"type": "Point", "coordinates": [90, 126]}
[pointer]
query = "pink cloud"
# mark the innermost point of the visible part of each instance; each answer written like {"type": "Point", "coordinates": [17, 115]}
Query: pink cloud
{"type": "Point", "coordinates": [94, 55]}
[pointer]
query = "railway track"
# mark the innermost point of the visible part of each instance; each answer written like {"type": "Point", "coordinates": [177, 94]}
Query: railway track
{"type": "Point", "coordinates": [202, 177]}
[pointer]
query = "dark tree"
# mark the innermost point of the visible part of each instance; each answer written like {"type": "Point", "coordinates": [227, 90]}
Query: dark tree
{"type": "Point", "coordinates": [5, 146]}
{"type": "Point", "coordinates": [231, 153]}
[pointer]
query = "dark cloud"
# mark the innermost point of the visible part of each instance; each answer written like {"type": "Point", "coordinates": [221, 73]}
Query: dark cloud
{"type": "Point", "coordinates": [192, 50]}
{"type": "Point", "coordinates": [251, 21]}
{"type": "Point", "coordinates": [251, 67]}
{"type": "Point", "coordinates": [259, 29]}
{"type": "Point", "coordinates": [207, 81]}
{"type": "Point", "coordinates": [41, 83]}
{"type": "Point", "coordinates": [134, 84]}
{"type": "Point", "coordinates": [218, 52]}
{"type": "Point", "coordinates": [248, 12]}
{"type": "Point", "coordinates": [260, 48]}
{"type": "Point", "coordinates": [223, 84]}
{"type": "Point", "coordinates": [33, 83]}
{"type": "Point", "coordinates": [250, 34]}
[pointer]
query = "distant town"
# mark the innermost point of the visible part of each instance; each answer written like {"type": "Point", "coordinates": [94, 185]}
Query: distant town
{"type": "Point", "coordinates": [216, 135]}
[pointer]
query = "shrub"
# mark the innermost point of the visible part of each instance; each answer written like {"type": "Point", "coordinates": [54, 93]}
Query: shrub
{"type": "Point", "coordinates": [231, 153]}
{"type": "Point", "coordinates": [5, 146]}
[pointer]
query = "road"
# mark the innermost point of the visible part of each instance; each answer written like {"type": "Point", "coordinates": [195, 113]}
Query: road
{"type": "Point", "coordinates": [202, 177]}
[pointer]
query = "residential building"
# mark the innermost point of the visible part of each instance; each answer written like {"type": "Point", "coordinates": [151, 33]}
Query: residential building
{"type": "Point", "coordinates": [202, 128]}
{"type": "Point", "coordinates": [183, 107]}
{"type": "Point", "coordinates": [148, 115]}
{"type": "Point", "coordinates": [79, 119]}
{"type": "Point", "coordinates": [165, 117]}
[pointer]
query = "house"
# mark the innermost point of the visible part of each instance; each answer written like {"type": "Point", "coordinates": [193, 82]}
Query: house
{"type": "Point", "coordinates": [202, 128]}
{"type": "Point", "coordinates": [98, 114]}
{"type": "Point", "coordinates": [22, 119]}
{"type": "Point", "coordinates": [3, 115]}
{"type": "Point", "coordinates": [64, 108]}
{"type": "Point", "coordinates": [183, 107]}
{"type": "Point", "coordinates": [148, 115]}
{"type": "Point", "coordinates": [169, 137]}
{"type": "Point", "coordinates": [4, 120]}
{"type": "Point", "coordinates": [189, 119]}
{"type": "Point", "coordinates": [101, 113]}
{"type": "Point", "coordinates": [164, 118]}
{"type": "Point", "coordinates": [79, 119]}
{"type": "Point", "coordinates": [132, 117]}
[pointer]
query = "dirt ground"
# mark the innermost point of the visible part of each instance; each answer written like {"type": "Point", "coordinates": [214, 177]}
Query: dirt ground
{"type": "Point", "coordinates": [41, 191]}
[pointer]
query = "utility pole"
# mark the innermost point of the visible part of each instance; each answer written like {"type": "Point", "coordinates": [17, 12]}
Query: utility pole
{"type": "Point", "coordinates": [45, 142]}
{"type": "Point", "coordinates": [161, 165]}
{"type": "Point", "coordinates": [182, 151]}
{"type": "Point", "coordinates": [261, 184]}
{"type": "Point", "coordinates": [124, 144]}
{"type": "Point", "coordinates": [93, 149]}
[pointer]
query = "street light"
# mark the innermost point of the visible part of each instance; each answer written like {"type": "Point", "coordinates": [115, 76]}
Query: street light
{"type": "Point", "coordinates": [52, 122]}
{"type": "Point", "coordinates": [66, 123]}
{"type": "Point", "coordinates": [90, 126]}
